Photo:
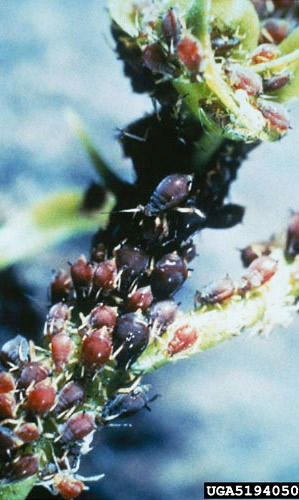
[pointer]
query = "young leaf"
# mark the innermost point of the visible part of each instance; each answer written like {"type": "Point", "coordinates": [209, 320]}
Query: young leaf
{"type": "Point", "coordinates": [17, 490]}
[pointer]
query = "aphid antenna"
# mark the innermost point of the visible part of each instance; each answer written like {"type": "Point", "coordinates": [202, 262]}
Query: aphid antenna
{"type": "Point", "coordinates": [117, 425]}
{"type": "Point", "coordinates": [131, 136]}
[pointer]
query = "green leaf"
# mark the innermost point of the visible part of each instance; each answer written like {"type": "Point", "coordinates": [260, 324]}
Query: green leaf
{"type": "Point", "coordinates": [291, 91]}
{"type": "Point", "coordinates": [46, 223]}
{"type": "Point", "coordinates": [122, 12]}
{"type": "Point", "coordinates": [17, 490]}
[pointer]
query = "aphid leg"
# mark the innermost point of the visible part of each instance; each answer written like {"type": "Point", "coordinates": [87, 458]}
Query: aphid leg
{"type": "Point", "coordinates": [186, 210]}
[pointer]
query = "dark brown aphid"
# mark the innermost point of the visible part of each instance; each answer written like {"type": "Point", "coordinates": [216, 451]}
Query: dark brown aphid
{"type": "Point", "coordinates": [275, 114]}
{"type": "Point", "coordinates": [68, 487]}
{"type": "Point", "coordinates": [154, 58]}
{"type": "Point", "coordinates": [125, 404]}
{"type": "Point", "coordinates": [292, 241]}
{"type": "Point", "coordinates": [41, 398]}
{"type": "Point", "coordinates": [71, 394]}
{"type": "Point", "coordinates": [171, 27]}
{"type": "Point", "coordinates": [131, 334]}
{"type": "Point", "coordinates": [102, 316]}
{"type": "Point", "coordinates": [168, 275]}
{"type": "Point", "coordinates": [57, 319]}
{"type": "Point", "coordinates": [263, 7]}
{"type": "Point", "coordinates": [169, 193]}
{"type": "Point", "coordinates": [96, 349]}
{"type": "Point", "coordinates": [131, 259]}
{"type": "Point", "coordinates": [264, 53]}
{"type": "Point", "coordinates": [98, 253]}
{"type": "Point", "coordinates": [188, 251]}
{"type": "Point", "coordinates": [15, 351]}
{"type": "Point", "coordinates": [190, 52]}
{"type": "Point", "coordinates": [276, 82]}
{"type": "Point", "coordinates": [28, 432]}
{"type": "Point", "coordinates": [104, 277]}
{"type": "Point", "coordinates": [163, 313]}
{"type": "Point", "coordinates": [252, 252]}
{"type": "Point", "coordinates": [82, 274]}
{"type": "Point", "coordinates": [78, 426]}
{"type": "Point", "coordinates": [140, 299]}
{"type": "Point", "coordinates": [61, 346]}
{"type": "Point", "coordinates": [8, 440]}
{"type": "Point", "coordinates": [216, 292]}
{"type": "Point", "coordinates": [284, 4]}
{"type": "Point", "coordinates": [259, 272]}
{"type": "Point", "coordinates": [7, 382]}
{"type": "Point", "coordinates": [222, 45]}
{"type": "Point", "coordinates": [24, 466]}
{"type": "Point", "coordinates": [7, 405]}
{"type": "Point", "coordinates": [60, 287]}
{"type": "Point", "coordinates": [245, 79]}
{"type": "Point", "coordinates": [32, 372]}
{"type": "Point", "coordinates": [274, 30]}
{"type": "Point", "coordinates": [184, 337]}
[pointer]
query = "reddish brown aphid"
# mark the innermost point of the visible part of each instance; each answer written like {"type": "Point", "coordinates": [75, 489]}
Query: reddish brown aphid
{"type": "Point", "coordinates": [252, 252]}
{"type": "Point", "coordinates": [82, 274]}
{"type": "Point", "coordinates": [96, 349]}
{"type": "Point", "coordinates": [60, 287]}
{"type": "Point", "coordinates": [276, 82]}
{"type": "Point", "coordinates": [7, 382]}
{"type": "Point", "coordinates": [168, 275]}
{"type": "Point", "coordinates": [284, 4]}
{"type": "Point", "coordinates": [171, 27]}
{"type": "Point", "coordinates": [184, 337]}
{"type": "Point", "coordinates": [222, 45]}
{"type": "Point", "coordinates": [8, 440]}
{"type": "Point", "coordinates": [292, 241]}
{"type": "Point", "coordinates": [245, 79]}
{"type": "Point", "coordinates": [61, 346]}
{"type": "Point", "coordinates": [32, 372]}
{"type": "Point", "coordinates": [15, 351]}
{"type": "Point", "coordinates": [24, 466]}
{"type": "Point", "coordinates": [259, 272]}
{"type": "Point", "coordinates": [190, 52]}
{"type": "Point", "coordinates": [28, 432]}
{"type": "Point", "coordinates": [57, 319]}
{"type": "Point", "coordinates": [68, 487]}
{"type": "Point", "coordinates": [163, 313]}
{"type": "Point", "coordinates": [78, 426]}
{"type": "Point", "coordinates": [41, 398]}
{"type": "Point", "coordinates": [216, 292]}
{"type": "Point", "coordinates": [141, 299]}
{"type": "Point", "coordinates": [276, 115]}
{"type": "Point", "coordinates": [275, 30]}
{"type": "Point", "coordinates": [98, 253]}
{"type": "Point", "coordinates": [154, 58]}
{"type": "Point", "coordinates": [71, 394]}
{"type": "Point", "coordinates": [105, 276]}
{"type": "Point", "coordinates": [102, 316]}
{"type": "Point", "coordinates": [7, 405]}
{"type": "Point", "coordinates": [264, 53]}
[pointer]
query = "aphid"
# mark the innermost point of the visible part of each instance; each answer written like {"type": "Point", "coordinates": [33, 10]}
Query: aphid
{"type": "Point", "coordinates": [78, 426]}
{"type": "Point", "coordinates": [284, 4]}
{"type": "Point", "coordinates": [171, 27]}
{"type": "Point", "coordinates": [102, 316]}
{"type": "Point", "coordinates": [131, 260]}
{"type": "Point", "coordinates": [274, 30]}
{"type": "Point", "coordinates": [252, 252]}
{"type": "Point", "coordinates": [222, 45]}
{"type": "Point", "coordinates": [163, 313]}
{"type": "Point", "coordinates": [24, 466]}
{"type": "Point", "coordinates": [154, 58]}
{"type": "Point", "coordinates": [184, 337]}
{"type": "Point", "coordinates": [57, 319]}
{"type": "Point", "coordinates": [96, 349]}
{"type": "Point", "coordinates": [71, 394]}
{"type": "Point", "coordinates": [7, 382]}
{"type": "Point", "coordinates": [140, 299]}
{"type": "Point", "coordinates": [169, 193]}
{"type": "Point", "coordinates": [275, 114]}
{"type": "Point", "coordinates": [7, 405]}
{"type": "Point", "coordinates": [82, 274]}
{"type": "Point", "coordinates": [41, 398]}
{"type": "Point", "coordinates": [276, 82]}
{"type": "Point", "coordinates": [61, 346]}
{"type": "Point", "coordinates": [32, 372]}
{"type": "Point", "coordinates": [168, 275]}
{"type": "Point", "coordinates": [226, 216]}
{"type": "Point", "coordinates": [15, 351]}
{"type": "Point", "coordinates": [188, 251]}
{"type": "Point", "coordinates": [28, 432]}
{"type": "Point", "coordinates": [264, 53]}
{"type": "Point", "coordinates": [216, 292]}
{"type": "Point", "coordinates": [190, 52]}
{"type": "Point", "coordinates": [259, 272]}
{"type": "Point", "coordinates": [131, 334]}
{"type": "Point", "coordinates": [125, 404]}
{"type": "Point", "coordinates": [104, 277]}
{"type": "Point", "coordinates": [8, 440]}
{"type": "Point", "coordinates": [68, 486]}
{"type": "Point", "coordinates": [292, 241]}
{"type": "Point", "coordinates": [245, 79]}
{"type": "Point", "coordinates": [98, 253]}
{"type": "Point", "coordinates": [263, 7]}
{"type": "Point", "coordinates": [60, 287]}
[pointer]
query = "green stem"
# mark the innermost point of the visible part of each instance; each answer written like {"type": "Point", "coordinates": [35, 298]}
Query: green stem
{"type": "Point", "coordinates": [205, 148]}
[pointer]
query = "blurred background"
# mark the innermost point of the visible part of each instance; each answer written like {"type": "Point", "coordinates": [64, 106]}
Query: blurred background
{"type": "Point", "coordinates": [230, 414]}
